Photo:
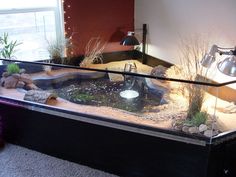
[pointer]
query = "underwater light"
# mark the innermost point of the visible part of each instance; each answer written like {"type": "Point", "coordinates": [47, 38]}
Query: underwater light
{"type": "Point", "coordinates": [129, 94]}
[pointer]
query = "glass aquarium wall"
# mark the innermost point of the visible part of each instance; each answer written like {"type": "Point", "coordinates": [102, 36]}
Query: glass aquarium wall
{"type": "Point", "coordinates": [192, 108]}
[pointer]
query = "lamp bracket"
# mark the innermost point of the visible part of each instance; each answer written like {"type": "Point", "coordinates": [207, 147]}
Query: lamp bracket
{"type": "Point", "coordinates": [143, 29]}
{"type": "Point", "coordinates": [226, 52]}
{"type": "Point", "coordinates": [223, 51]}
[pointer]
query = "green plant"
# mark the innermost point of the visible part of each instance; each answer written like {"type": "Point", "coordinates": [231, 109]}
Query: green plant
{"type": "Point", "coordinates": [198, 119]}
{"type": "Point", "coordinates": [58, 48]}
{"type": "Point", "coordinates": [55, 49]}
{"type": "Point", "coordinates": [13, 68]}
{"type": "Point", "coordinates": [8, 47]}
{"type": "Point", "coordinates": [83, 97]}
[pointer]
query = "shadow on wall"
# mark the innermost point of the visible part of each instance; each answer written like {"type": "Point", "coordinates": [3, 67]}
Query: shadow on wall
{"type": "Point", "coordinates": [168, 20]}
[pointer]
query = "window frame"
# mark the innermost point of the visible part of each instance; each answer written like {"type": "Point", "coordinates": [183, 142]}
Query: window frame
{"type": "Point", "coordinates": [58, 12]}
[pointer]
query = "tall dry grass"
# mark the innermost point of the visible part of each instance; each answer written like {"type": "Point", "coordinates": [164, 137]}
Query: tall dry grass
{"type": "Point", "coordinates": [93, 52]}
{"type": "Point", "coordinates": [58, 49]}
{"type": "Point", "coordinates": [192, 49]}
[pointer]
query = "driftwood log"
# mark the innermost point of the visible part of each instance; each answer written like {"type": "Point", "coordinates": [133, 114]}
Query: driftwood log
{"type": "Point", "coordinates": [39, 96]}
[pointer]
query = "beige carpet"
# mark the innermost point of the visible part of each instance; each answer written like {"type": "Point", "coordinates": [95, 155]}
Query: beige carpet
{"type": "Point", "coordinates": [17, 161]}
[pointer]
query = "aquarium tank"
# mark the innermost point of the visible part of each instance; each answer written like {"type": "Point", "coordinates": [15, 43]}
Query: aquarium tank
{"type": "Point", "coordinates": [156, 98]}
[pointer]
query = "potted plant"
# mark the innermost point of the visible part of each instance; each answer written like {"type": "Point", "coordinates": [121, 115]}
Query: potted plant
{"type": "Point", "coordinates": [58, 48]}
{"type": "Point", "coordinates": [7, 47]}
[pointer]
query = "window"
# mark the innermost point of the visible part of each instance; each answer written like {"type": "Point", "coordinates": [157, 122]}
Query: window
{"type": "Point", "coordinates": [34, 23]}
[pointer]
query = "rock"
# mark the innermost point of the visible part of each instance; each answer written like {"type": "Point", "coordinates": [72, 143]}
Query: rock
{"type": "Point", "coordinates": [31, 87]}
{"type": "Point", "coordinates": [10, 82]}
{"type": "Point", "coordinates": [26, 78]}
{"type": "Point", "coordinates": [178, 127]}
{"type": "Point", "coordinates": [5, 74]}
{"type": "Point", "coordinates": [202, 128]}
{"type": "Point", "coordinates": [210, 133]}
{"type": "Point", "coordinates": [159, 71]}
{"type": "Point", "coordinates": [39, 96]}
{"type": "Point", "coordinates": [157, 89]}
{"type": "Point", "coordinates": [115, 77]}
{"type": "Point", "coordinates": [20, 84]}
{"type": "Point", "coordinates": [185, 129]}
{"type": "Point", "coordinates": [193, 130]}
{"type": "Point", "coordinates": [17, 81]}
{"type": "Point", "coordinates": [17, 76]}
{"type": "Point", "coordinates": [2, 81]}
{"type": "Point", "coordinates": [22, 71]}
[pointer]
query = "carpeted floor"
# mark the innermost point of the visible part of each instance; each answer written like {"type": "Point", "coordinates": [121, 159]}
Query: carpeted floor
{"type": "Point", "coordinates": [17, 161]}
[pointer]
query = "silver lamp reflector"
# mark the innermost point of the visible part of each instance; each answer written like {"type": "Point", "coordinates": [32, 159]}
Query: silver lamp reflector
{"type": "Point", "coordinates": [228, 66]}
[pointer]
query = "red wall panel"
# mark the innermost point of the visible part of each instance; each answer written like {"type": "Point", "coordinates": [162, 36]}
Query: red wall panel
{"type": "Point", "coordinates": [107, 19]}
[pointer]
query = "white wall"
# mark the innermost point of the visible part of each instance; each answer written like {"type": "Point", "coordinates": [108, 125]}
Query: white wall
{"type": "Point", "coordinates": [169, 19]}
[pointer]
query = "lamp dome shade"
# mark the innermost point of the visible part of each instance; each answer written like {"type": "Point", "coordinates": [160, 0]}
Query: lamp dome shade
{"type": "Point", "coordinates": [228, 66]}
{"type": "Point", "coordinates": [130, 40]}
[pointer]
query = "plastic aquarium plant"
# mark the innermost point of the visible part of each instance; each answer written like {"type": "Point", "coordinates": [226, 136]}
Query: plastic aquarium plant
{"type": "Point", "coordinates": [13, 68]}
{"type": "Point", "coordinates": [7, 46]}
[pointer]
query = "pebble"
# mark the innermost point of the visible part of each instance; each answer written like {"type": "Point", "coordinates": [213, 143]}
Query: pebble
{"type": "Point", "coordinates": [5, 74]}
{"type": "Point", "coordinates": [20, 84]}
{"type": "Point", "coordinates": [202, 128]}
{"type": "Point", "coordinates": [193, 130]}
{"type": "Point", "coordinates": [16, 76]}
{"type": "Point", "coordinates": [10, 82]}
{"type": "Point", "coordinates": [210, 133]}
{"type": "Point", "coordinates": [22, 71]}
{"type": "Point", "coordinates": [178, 128]}
{"type": "Point", "coordinates": [185, 129]}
